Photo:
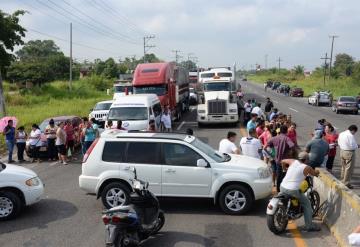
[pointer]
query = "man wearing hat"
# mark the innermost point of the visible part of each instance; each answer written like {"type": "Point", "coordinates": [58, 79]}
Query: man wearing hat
{"type": "Point", "coordinates": [317, 149]}
{"type": "Point", "coordinates": [297, 171]}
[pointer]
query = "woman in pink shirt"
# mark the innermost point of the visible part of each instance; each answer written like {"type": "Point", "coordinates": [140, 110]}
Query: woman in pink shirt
{"type": "Point", "coordinates": [292, 133]}
{"type": "Point", "coordinates": [266, 135]}
{"type": "Point", "coordinates": [260, 128]}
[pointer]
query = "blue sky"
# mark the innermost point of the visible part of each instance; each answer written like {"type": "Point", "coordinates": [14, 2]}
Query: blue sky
{"type": "Point", "coordinates": [217, 32]}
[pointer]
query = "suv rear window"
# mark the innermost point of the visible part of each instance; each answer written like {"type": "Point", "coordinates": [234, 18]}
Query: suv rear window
{"type": "Point", "coordinates": [143, 153]}
{"type": "Point", "coordinates": [114, 152]}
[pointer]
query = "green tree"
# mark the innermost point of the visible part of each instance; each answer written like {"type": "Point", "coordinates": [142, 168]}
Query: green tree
{"type": "Point", "coordinates": [99, 66]}
{"type": "Point", "coordinates": [190, 65]}
{"type": "Point", "coordinates": [110, 70]}
{"type": "Point", "coordinates": [11, 34]}
{"type": "Point", "coordinates": [343, 64]}
{"type": "Point", "coordinates": [356, 72]}
{"type": "Point", "coordinates": [37, 49]}
{"type": "Point", "coordinates": [299, 70]}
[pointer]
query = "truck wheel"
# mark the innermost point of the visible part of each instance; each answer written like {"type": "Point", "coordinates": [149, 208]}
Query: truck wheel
{"type": "Point", "coordinates": [10, 205]}
{"type": "Point", "coordinates": [115, 194]}
{"type": "Point", "coordinates": [235, 199]}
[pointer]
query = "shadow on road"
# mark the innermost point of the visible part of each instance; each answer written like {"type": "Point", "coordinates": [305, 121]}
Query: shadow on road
{"type": "Point", "coordinates": [39, 215]}
{"type": "Point", "coordinates": [205, 206]}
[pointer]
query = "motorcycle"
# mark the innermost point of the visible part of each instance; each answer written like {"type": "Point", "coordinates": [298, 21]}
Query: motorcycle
{"type": "Point", "coordinates": [283, 207]}
{"type": "Point", "coordinates": [130, 224]}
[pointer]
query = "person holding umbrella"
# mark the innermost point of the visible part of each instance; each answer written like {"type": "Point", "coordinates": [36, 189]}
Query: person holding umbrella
{"type": "Point", "coordinates": [9, 132]}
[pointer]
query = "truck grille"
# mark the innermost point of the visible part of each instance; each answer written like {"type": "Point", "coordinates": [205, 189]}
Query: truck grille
{"type": "Point", "coordinates": [99, 116]}
{"type": "Point", "coordinates": [216, 107]}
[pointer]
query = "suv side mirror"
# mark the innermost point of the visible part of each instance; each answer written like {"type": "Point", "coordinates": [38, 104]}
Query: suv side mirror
{"type": "Point", "coordinates": [201, 163]}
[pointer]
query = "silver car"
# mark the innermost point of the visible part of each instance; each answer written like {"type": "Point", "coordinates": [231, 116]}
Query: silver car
{"type": "Point", "coordinates": [345, 104]}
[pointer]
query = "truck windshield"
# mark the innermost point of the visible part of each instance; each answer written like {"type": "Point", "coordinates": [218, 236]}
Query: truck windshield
{"type": "Point", "coordinates": [121, 89]}
{"type": "Point", "coordinates": [205, 148]}
{"type": "Point", "coordinates": [128, 113]}
{"type": "Point", "coordinates": [102, 106]}
{"type": "Point", "coordinates": [159, 90]}
{"type": "Point", "coordinates": [217, 86]}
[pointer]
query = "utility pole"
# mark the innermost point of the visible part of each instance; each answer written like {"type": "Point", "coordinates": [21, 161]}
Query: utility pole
{"type": "Point", "coordinates": [70, 79]}
{"type": "Point", "coordinates": [176, 55]}
{"type": "Point", "coordinates": [266, 61]}
{"type": "Point", "coordinates": [147, 47]}
{"type": "Point", "coordinates": [2, 98]}
{"type": "Point", "coordinates": [331, 54]}
{"type": "Point", "coordinates": [325, 65]}
{"type": "Point", "coordinates": [279, 61]}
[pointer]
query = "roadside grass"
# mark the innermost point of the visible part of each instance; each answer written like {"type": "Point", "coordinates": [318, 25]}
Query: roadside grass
{"type": "Point", "coordinates": [339, 87]}
{"type": "Point", "coordinates": [34, 105]}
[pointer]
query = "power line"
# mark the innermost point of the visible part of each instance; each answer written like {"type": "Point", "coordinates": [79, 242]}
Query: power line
{"type": "Point", "coordinates": [67, 41]}
{"type": "Point", "coordinates": [118, 14]}
{"type": "Point", "coordinates": [96, 21]}
{"type": "Point", "coordinates": [331, 55]}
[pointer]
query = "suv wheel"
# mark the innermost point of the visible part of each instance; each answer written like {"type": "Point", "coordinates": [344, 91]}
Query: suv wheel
{"type": "Point", "coordinates": [235, 199]}
{"type": "Point", "coordinates": [115, 194]}
{"type": "Point", "coordinates": [10, 205]}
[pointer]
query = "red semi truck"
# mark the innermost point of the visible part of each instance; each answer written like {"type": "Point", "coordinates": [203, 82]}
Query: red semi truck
{"type": "Point", "coordinates": [168, 81]}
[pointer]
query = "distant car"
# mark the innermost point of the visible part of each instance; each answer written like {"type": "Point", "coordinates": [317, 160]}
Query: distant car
{"type": "Point", "coordinates": [19, 187]}
{"type": "Point", "coordinates": [43, 152]}
{"type": "Point", "coordinates": [193, 96]}
{"type": "Point", "coordinates": [275, 85]}
{"type": "Point", "coordinates": [345, 104]}
{"type": "Point", "coordinates": [101, 110]}
{"type": "Point", "coordinates": [358, 101]}
{"type": "Point", "coordinates": [296, 92]}
{"type": "Point", "coordinates": [320, 98]}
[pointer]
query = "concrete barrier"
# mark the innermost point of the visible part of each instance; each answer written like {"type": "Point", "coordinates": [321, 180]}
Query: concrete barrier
{"type": "Point", "coordinates": [340, 209]}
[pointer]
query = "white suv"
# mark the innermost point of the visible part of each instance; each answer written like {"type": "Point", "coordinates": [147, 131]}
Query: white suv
{"type": "Point", "coordinates": [175, 165]}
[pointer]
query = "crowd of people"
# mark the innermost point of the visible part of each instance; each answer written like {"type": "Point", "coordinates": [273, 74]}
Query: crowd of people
{"type": "Point", "coordinates": [272, 137]}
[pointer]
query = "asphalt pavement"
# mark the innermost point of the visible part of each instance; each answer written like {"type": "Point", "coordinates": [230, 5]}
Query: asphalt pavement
{"type": "Point", "coordinates": [68, 217]}
{"type": "Point", "coordinates": [306, 116]}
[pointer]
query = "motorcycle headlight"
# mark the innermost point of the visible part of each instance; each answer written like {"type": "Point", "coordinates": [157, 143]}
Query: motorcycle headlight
{"type": "Point", "coordinates": [264, 172]}
{"type": "Point", "coordinates": [33, 182]}
{"type": "Point", "coordinates": [137, 185]}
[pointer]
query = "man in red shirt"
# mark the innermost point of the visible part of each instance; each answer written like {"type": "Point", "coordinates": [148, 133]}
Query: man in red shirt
{"type": "Point", "coordinates": [70, 137]}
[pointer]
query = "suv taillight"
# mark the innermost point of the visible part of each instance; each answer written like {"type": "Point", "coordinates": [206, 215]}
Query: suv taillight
{"type": "Point", "coordinates": [88, 152]}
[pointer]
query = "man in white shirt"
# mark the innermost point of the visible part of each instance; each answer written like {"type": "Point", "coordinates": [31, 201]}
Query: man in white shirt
{"type": "Point", "coordinates": [251, 146]}
{"type": "Point", "coordinates": [166, 120]}
{"type": "Point", "coordinates": [348, 146]}
{"type": "Point", "coordinates": [297, 170]}
{"type": "Point", "coordinates": [228, 145]}
{"type": "Point", "coordinates": [257, 110]}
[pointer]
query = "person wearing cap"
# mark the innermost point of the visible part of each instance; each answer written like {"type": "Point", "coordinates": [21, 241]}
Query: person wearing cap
{"type": "Point", "coordinates": [348, 146]}
{"type": "Point", "coordinates": [317, 148]}
{"type": "Point", "coordinates": [297, 171]}
{"type": "Point", "coordinates": [50, 132]}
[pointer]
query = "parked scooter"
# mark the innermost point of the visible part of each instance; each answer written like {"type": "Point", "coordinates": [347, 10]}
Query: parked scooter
{"type": "Point", "coordinates": [283, 207]}
{"type": "Point", "coordinates": [129, 225]}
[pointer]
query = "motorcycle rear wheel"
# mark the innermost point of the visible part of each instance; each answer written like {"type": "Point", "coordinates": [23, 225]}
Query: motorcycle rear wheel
{"type": "Point", "coordinates": [314, 198]}
{"type": "Point", "coordinates": [160, 223]}
{"type": "Point", "coordinates": [273, 223]}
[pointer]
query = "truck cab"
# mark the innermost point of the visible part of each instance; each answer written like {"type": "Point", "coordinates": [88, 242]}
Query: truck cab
{"type": "Point", "coordinates": [217, 102]}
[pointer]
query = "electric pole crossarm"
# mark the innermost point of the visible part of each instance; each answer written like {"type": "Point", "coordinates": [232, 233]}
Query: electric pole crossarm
{"type": "Point", "coordinates": [147, 47]}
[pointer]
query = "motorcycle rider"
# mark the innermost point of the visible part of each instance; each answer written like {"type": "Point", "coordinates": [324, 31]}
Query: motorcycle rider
{"type": "Point", "coordinates": [297, 171]}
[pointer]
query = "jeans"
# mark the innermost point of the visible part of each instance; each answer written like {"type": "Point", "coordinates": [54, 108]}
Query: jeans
{"type": "Point", "coordinates": [87, 145]}
{"type": "Point", "coordinates": [20, 150]}
{"type": "Point", "coordinates": [52, 151]}
{"type": "Point", "coordinates": [305, 203]}
{"type": "Point", "coordinates": [279, 176]}
{"type": "Point", "coordinates": [10, 146]}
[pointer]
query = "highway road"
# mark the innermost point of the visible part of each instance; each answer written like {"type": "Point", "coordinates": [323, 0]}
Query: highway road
{"type": "Point", "coordinates": [68, 217]}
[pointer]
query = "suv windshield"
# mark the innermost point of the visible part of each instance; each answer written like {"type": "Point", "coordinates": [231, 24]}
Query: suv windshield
{"type": "Point", "coordinates": [159, 90]}
{"type": "Point", "coordinates": [121, 89]}
{"type": "Point", "coordinates": [224, 74]}
{"type": "Point", "coordinates": [205, 148]}
{"type": "Point", "coordinates": [128, 113]}
{"type": "Point", "coordinates": [207, 75]}
{"type": "Point", "coordinates": [217, 86]}
{"type": "Point", "coordinates": [102, 106]}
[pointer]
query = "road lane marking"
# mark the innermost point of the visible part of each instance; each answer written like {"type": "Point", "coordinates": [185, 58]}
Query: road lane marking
{"type": "Point", "coordinates": [299, 241]}
{"type": "Point", "coordinates": [293, 109]}
{"type": "Point", "coordinates": [181, 125]}
{"type": "Point", "coordinates": [276, 101]}
{"type": "Point", "coordinates": [54, 163]}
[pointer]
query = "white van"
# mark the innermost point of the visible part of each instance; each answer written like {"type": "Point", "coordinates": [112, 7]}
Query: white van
{"type": "Point", "coordinates": [135, 111]}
